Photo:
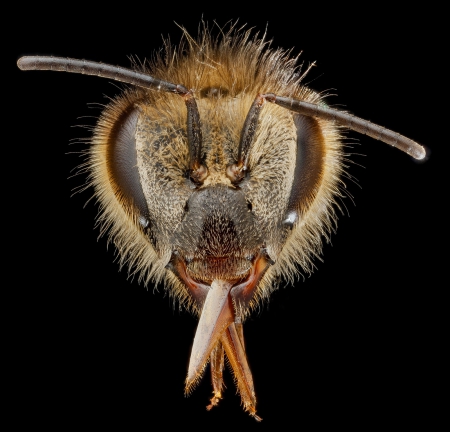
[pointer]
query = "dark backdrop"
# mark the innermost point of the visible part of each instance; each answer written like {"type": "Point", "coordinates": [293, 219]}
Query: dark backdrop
{"type": "Point", "coordinates": [357, 343]}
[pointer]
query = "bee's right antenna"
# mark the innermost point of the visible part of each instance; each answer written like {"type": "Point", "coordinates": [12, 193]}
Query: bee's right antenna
{"type": "Point", "coordinates": [128, 76]}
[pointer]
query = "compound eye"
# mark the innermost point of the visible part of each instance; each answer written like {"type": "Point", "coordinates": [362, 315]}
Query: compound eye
{"type": "Point", "coordinates": [122, 165]}
{"type": "Point", "coordinates": [309, 167]}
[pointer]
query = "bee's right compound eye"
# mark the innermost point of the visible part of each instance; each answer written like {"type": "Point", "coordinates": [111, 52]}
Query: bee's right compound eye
{"type": "Point", "coordinates": [122, 167]}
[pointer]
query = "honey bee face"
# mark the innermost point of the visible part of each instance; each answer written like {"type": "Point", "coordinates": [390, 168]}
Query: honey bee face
{"type": "Point", "coordinates": [201, 232]}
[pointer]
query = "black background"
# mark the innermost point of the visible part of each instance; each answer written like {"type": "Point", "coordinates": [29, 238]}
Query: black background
{"type": "Point", "coordinates": [356, 344]}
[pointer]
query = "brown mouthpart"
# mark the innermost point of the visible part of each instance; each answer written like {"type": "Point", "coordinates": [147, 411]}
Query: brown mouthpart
{"type": "Point", "coordinates": [220, 330]}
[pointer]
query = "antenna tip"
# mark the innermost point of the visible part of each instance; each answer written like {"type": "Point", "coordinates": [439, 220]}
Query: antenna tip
{"type": "Point", "coordinates": [418, 153]}
{"type": "Point", "coordinates": [22, 63]}
{"type": "Point", "coordinates": [19, 63]}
